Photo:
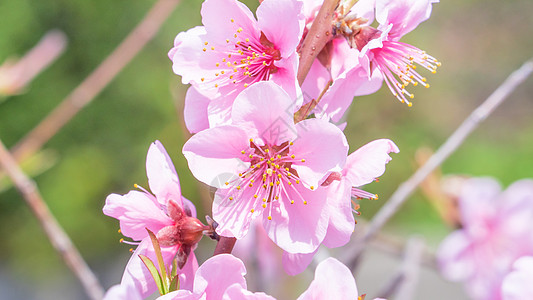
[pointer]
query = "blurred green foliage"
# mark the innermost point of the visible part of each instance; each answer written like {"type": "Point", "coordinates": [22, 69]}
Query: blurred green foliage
{"type": "Point", "coordinates": [103, 149]}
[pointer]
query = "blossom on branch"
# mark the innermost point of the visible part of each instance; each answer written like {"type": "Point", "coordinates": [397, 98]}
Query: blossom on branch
{"type": "Point", "coordinates": [166, 213]}
{"type": "Point", "coordinates": [266, 166]}
{"type": "Point", "coordinates": [496, 232]}
{"type": "Point", "coordinates": [234, 50]}
{"type": "Point", "coordinates": [362, 167]}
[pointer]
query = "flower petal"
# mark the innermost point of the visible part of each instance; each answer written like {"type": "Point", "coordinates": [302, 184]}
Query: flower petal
{"type": "Point", "coordinates": [218, 273]}
{"type": "Point", "coordinates": [236, 292]}
{"type": "Point", "coordinates": [213, 154]}
{"type": "Point", "coordinates": [298, 227]}
{"type": "Point", "coordinates": [195, 110]}
{"type": "Point", "coordinates": [517, 285]}
{"type": "Point", "coordinates": [265, 111]}
{"type": "Point", "coordinates": [296, 263]}
{"type": "Point", "coordinates": [455, 257]}
{"type": "Point", "coordinates": [136, 211]}
{"type": "Point", "coordinates": [333, 280]}
{"type": "Point", "coordinates": [322, 146]}
{"type": "Point", "coordinates": [368, 162]}
{"type": "Point", "coordinates": [284, 35]}
{"type": "Point", "coordinates": [341, 221]}
{"type": "Point", "coordinates": [405, 15]}
{"type": "Point", "coordinates": [222, 19]}
{"type": "Point", "coordinates": [233, 216]}
{"type": "Point", "coordinates": [162, 176]}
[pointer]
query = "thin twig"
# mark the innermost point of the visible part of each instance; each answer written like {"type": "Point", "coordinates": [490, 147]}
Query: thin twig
{"type": "Point", "coordinates": [96, 81]}
{"type": "Point", "coordinates": [320, 33]}
{"type": "Point", "coordinates": [53, 230]}
{"type": "Point", "coordinates": [451, 144]}
{"type": "Point", "coordinates": [225, 245]}
{"type": "Point", "coordinates": [403, 283]}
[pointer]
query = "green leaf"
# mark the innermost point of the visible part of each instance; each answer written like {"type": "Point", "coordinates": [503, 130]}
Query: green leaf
{"type": "Point", "coordinates": [174, 284]}
{"type": "Point", "coordinates": [155, 274]}
{"type": "Point", "coordinates": [174, 270]}
{"type": "Point", "coordinates": [159, 256]}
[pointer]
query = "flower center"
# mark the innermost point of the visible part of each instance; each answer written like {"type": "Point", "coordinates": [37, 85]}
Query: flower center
{"type": "Point", "coordinates": [245, 59]}
{"type": "Point", "coordinates": [270, 177]}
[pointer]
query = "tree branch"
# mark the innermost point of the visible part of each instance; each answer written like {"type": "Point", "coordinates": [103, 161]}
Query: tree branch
{"type": "Point", "coordinates": [319, 35]}
{"type": "Point", "coordinates": [57, 236]}
{"type": "Point", "coordinates": [225, 245]}
{"type": "Point", "coordinates": [96, 81]}
{"type": "Point", "coordinates": [451, 144]}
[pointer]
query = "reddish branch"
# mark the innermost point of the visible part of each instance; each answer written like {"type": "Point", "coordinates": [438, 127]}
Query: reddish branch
{"type": "Point", "coordinates": [225, 245]}
{"type": "Point", "coordinates": [319, 35]}
{"type": "Point", "coordinates": [57, 236]}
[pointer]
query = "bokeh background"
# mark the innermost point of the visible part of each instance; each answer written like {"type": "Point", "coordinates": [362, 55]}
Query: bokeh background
{"type": "Point", "coordinates": [103, 149]}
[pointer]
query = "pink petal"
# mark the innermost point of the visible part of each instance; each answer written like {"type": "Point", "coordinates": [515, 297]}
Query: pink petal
{"type": "Point", "coordinates": [315, 82]}
{"type": "Point", "coordinates": [186, 275]}
{"type": "Point", "coordinates": [333, 280]}
{"type": "Point", "coordinates": [285, 77]}
{"type": "Point", "coordinates": [477, 200]}
{"type": "Point", "coordinates": [213, 154]}
{"type": "Point", "coordinates": [195, 110]}
{"type": "Point", "coordinates": [121, 291]}
{"type": "Point", "coordinates": [364, 9]}
{"type": "Point", "coordinates": [368, 162]}
{"type": "Point", "coordinates": [179, 295]}
{"type": "Point", "coordinates": [162, 176]}
{"type": "Point", "coordinates": [233, 216]}
{"type": "Point", "coordinates": [264, 110]}
{"type": "Point", "coordinates": [136, 273]}
{"type": "Point", "coordinates": [188, 58]}
{"type": "Point", "coordinates": [405, 15]}
{"type": "Point", "coordinates": [455, 257]}
{"type": "Point", "coordinates": [284, 35]}
{"type": "Point", "coordinates": [136, 211]}
{"type": "Point", "coordinates": [517, 285]}
{"type": "Point", "coordinates": [236, 292]}
{"type": "Point", "coordinates": [188, 204]}
{"type": "Point", "coordinates": [298, 227]}
{"type": "Point", "coordinates": [219, 108]}
{"type": "Point", "coordinates": [296, 263]}
{"type": "Point", "coordinates": [341, 221]}
{"type": "Point", "coordinates": [218, 273]}
{"type": "Point", "coordinates": [217, 16]}
{"type": "Point", "coordinates": [322, 145]}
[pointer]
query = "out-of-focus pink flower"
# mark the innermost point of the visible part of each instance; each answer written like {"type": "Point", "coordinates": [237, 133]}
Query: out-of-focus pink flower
{"type": "Point", "coordinates": [170, 216]}
{"type": "Point", "coordinates": [220, 277]}
{"type": "Point", "coordinates": [517, 284]}
{"type": "Point", "coordinates": [234, 50]}
{"type": "Point", "coordinates": [362, 167]}
{"type": "Point", "coordinates": [333, 280]}
{"type": "Point", "coordinates": [265, 165]}
{"type": "Point", "coordinates": [496, 231]}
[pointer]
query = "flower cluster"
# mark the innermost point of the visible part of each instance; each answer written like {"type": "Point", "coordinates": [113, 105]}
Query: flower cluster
{"type": "Point", "coordinates": [269, 146]}
{"type": "Point", "coordinates": [495, 236]}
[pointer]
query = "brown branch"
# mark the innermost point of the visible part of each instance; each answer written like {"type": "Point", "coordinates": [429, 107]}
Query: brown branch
{"type": "Point", "coordinates": [319, 35]}
{"type": "Point", "coordinates": [451, 144]}
{"type": "Point", "coordinates": [96, 81]}
{"type": "Point", "coordinates": [57, 236]}
{"type": "Point", "coordinates": [225, 245]}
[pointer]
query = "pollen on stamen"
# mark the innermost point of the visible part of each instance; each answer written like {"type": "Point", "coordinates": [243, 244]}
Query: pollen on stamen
{"type": "Point", "coordinates": [119, 231]}
{"type": "Point", "coordinates": [292, 201]}
{"type": "Point", "coordinates": [303, 160]}
{"type": "Point", "coordinates": [264, 205]}
{"type": "Point", "coordinates": [305, 202]}
{"type": "Point", "coordinates": [252, 210]}
{"type": "Point", "coordinates": [231, 198]}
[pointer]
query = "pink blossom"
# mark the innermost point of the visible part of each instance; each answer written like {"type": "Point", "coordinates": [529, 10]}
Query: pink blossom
{"type": "Point", "coordinates": [266, 166]}
{"type": "Point", "coordinates": [219, 277]}
{"type": "Point", "coordinates": [517, 284]}
{"type": "Point", "coordinates": [166, 213]}
{"type": "Point", "coordinates": [362, 167]}
{"type": "Point", "coordinates": [496, 231]}
{"type": "Point", "coordinates": [234, 50]}
{"type": "Point", "coordinates": [333, 280]}
{"type": "Point", "coordinates": [360, 57]}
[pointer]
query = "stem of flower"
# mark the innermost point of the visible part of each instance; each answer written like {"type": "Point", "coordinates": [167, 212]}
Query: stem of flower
{"type": "Point", "coordinates": [225, 245]}
{"type": "Point", "coordinates": [319, 34]}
